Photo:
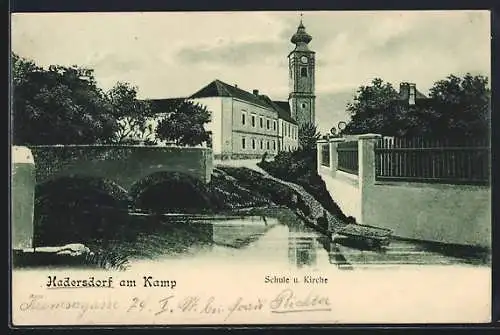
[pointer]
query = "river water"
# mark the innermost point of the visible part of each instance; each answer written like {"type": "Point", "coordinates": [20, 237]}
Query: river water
{"type": "Point", "coordinates": [280, 241]}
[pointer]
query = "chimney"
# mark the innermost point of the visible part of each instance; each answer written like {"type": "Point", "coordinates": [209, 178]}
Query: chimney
{"type": "Point", "coordinates": [403, 89]}
{"type": "Point", "coordinates": [408, 91]}
{"type": "Point", "coordinates": [412, 94]}
{"type": "Point", "coordinates": [235, 85]}
{"type": "Point", "coordinates": [256, 92]}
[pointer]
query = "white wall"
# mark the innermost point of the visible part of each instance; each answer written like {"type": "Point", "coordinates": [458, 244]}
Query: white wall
{"type": "Point", "coordinates": [289, 139]}
{"type": "Point", "coordinates": [23, 196]}
{"type": "Point", "coordinates": [458, 214]}
{"type": "Point", "coordinates": [345, 192]}
{"type": "Point", "coordinates": [214, 105]}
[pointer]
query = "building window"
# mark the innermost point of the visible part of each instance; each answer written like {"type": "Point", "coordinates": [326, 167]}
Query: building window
{"type": "Point", "coordinates": [289, 129]}
{"type": "Point", "coordinates": [243, 143]}
{"type": "Point", "coordinates": [253, 120]}
{"type": "Point", "coordinates": [274, 144]}
{"type": "Point", "coordinates": [261, 122]}
{"type": "Point", "coordinates": [261, 144]}
{"type": "Point", "coordinates": [303, 71]}
{"type": "Point", "coordinates": [267, 145]}
{"type": "Point", "coordinates": [243, 118]}
{"type": "Point", "coordinates": [253, 143]}
{"type": "Point", "coordinates": [268, 124]}
{"type": "Point", "coordinates": [284, 129]}
{"type": "Point", "coordinates": [274, 125]}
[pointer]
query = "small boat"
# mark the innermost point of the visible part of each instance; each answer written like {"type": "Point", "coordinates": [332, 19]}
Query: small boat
{"type": "Point", "coordinates": [371, 235]}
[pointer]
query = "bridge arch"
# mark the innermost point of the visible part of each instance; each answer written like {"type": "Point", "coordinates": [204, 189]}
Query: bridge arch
{"type": "Point", "coordinates": [172, 191]}
{"type": "Point", "coordinates": [76, 208]}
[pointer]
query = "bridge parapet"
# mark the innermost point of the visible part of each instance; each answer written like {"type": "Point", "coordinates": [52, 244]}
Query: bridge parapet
{"type": "Point", "coordinates": [124, 164]}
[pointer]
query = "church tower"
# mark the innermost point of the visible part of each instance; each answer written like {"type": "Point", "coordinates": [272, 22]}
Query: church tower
{"type": "Point", "coordinates": [301, 65]}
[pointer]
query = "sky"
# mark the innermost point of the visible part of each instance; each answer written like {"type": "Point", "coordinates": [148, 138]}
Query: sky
{"type": "Point", "coordinates": [174, 54]}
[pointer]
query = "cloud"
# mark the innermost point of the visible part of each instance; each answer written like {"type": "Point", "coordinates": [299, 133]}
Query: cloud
{"type": "Point", "coordinates": [233, 53]}
{"type": "Point", "coordinates": [331, 108]}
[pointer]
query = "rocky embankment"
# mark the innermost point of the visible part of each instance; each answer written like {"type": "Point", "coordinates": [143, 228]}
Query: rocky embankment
{"type": "Point", "coordinates": [283, 193]}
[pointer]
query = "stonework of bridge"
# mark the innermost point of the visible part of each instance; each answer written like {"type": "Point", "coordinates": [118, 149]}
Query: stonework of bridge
{"type": "Point", "coordinates": [123, 166]}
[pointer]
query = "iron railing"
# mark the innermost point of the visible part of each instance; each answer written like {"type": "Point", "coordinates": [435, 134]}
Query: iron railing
{"type": "Point", "coordinates": [348, 157]}
{"type": "Point", "coordinates": [418, 159]}
{"type": "Point", "coordinates": [325, 154]}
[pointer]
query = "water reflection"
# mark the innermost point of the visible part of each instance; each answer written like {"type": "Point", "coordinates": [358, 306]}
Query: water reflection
{"type": "Point", "coordinates": [304, 245]}
{"type": "Point", "coordinates": [279, 239]}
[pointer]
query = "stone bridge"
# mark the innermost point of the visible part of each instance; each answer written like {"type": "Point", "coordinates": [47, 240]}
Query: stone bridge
{"type": "Point", "coordinates": [59, 170]}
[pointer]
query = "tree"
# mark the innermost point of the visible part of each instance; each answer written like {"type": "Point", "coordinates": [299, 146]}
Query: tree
{"type": "Point", "coordinates": [369, 110]}
{"type": "Point", "coordinates": [458, 107]}
{"type": "Point", "coordinates": [61, 105]}
{"type": "Point", "coordinates": [308, 136]}
{"type": "Point", "coordinates": [184, 124]}
{"type": "Point", "coordinates": [133, 115]}
{"type": "Point", "coordinates": [462, 105]}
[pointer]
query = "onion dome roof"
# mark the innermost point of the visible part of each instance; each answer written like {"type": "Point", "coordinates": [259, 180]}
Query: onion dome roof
{"type": "Point", "coordinates": [301, 36]}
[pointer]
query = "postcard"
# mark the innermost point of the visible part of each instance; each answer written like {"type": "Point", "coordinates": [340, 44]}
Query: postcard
{"type": "Point", "coordinates": [243, 168]}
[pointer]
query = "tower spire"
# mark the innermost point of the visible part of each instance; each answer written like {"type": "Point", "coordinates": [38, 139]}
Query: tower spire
{"type": "Point", "coordinates": [301, 24]}
{"type": "Point", "coordinates": [301, 38]}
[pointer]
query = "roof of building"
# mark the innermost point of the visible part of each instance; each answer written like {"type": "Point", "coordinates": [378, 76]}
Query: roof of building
{"type": "Point", "coordinates": [283, 109]}
{"type": "Point", "coordinates": [404, 93]}
{"type": "Point", "coordinates": [219, 88]}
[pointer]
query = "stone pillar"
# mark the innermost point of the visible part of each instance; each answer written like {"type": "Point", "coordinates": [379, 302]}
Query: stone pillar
{"type": "Point", "coordinates": [319, 154]}
{"type": "Point", "coordinates": [23, 198]}
{"type": "Point", "coordinates": [366, 172]}
{"type": "Point", "coordinates": [334, 156]}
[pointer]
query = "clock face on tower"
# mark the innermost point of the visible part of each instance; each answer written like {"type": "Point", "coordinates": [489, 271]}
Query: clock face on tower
{"type": "Point", "coordinates": [303, 59]}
